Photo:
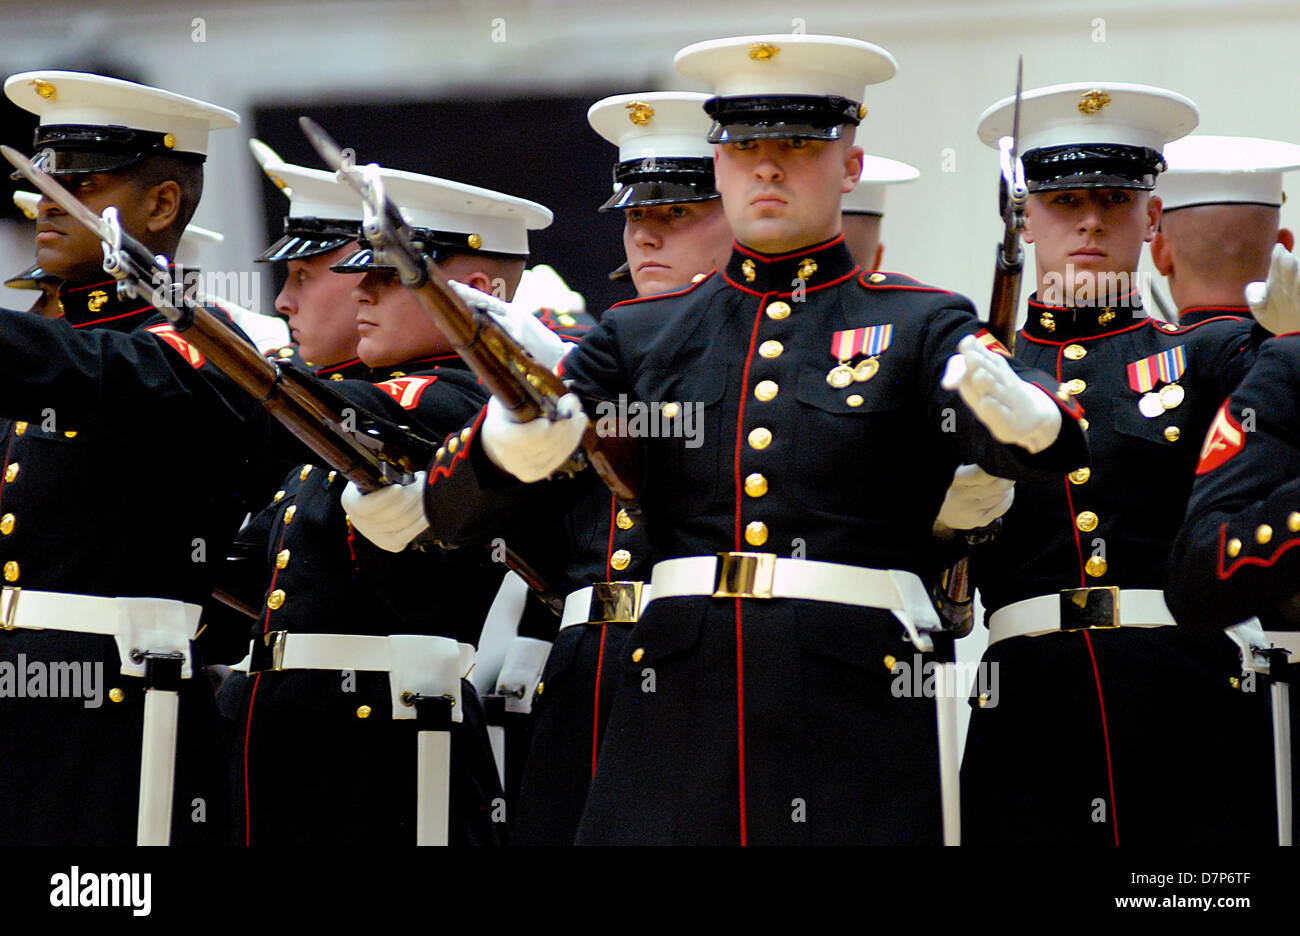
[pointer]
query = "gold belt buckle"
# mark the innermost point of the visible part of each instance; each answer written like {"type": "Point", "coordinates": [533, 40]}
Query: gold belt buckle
{"type": "Point", "coordinates": [744, 575]}
{"type": "Point", "coordinates": [615, 603]}
{"type": "Point", "coordinates": [1090, 608]}
{"type": "Point", "coordinates": [9, 606]}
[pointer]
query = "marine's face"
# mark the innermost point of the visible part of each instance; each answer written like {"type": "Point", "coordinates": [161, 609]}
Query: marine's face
{"type": "Point", "coordinates": [320, 309]}
{"type": "Point", "coordinates": [1079, 235]}
{"type": "Point", "coordinates": [393, 325]}
{"type": "Point", "coordinates": [785, 194]}
{"type": "Point", "coordinates": [667, 245]}
{"type": "Point", "coordinates": [68, 250]}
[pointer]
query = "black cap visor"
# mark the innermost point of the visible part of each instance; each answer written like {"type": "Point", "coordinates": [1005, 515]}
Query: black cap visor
{"type": "Point", "coordinates": [80, 149]}
{"type": "Point", "coordinates": [1092, 165]}
{"type": "Point", "coordinates": [30, 278]}
{"type": "Point", "coordinates": [310, 237]}
{"type": "Point", "coordinates": [661, 180]}
{"type": "Point", "coordinates": [772, 117]}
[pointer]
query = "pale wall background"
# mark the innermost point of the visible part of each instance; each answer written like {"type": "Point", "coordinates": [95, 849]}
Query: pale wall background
{"type": "Point", "coordinates": [1236, 61]}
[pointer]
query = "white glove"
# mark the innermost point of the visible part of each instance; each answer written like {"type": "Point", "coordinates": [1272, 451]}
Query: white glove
{"type": "Point", "coordinates": [1251, 640]}
{"type": "Point", "coordinates": [521, 672]}
{"type": "Point", "coordinates": [974, 499]}
{"type": "Point", "coordinates": [1276, 303]}
{"type": "Point", "coordinates": [533, 450]}
{"type": "Point", "coordinates": [546, 347]}
{"type": "Point", "coordinates": [390, 517]}
{"type": "Point", "coordinates": [540, 287]}
{"type": "Point", "coordinates": [1014, 410]}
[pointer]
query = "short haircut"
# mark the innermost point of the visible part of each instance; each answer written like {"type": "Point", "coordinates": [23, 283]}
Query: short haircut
{"type": "Point", "coordinates": [186, 171]}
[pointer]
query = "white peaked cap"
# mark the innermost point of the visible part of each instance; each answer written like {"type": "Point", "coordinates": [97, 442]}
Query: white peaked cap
{"type": "Point", "coordinates": [786, 64]}
{"type": "Point", "coordinates": [1225, 170]}
{"type": "Point", "coordinates": [1091, 112]}
{"type": "Point", "coordinates": [654, 123]}
{"type": "Point", "coordinates": [868, 196]}
{"type": "Point", "coordinates": [67, 97]}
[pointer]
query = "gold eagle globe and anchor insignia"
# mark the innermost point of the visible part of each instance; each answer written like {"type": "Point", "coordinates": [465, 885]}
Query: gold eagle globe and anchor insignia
{"type": "Point", "coordinates": [1090, 102]}
{"type": "Point", "coordinates": [807, 267]}
{"type": "Point", "coordinates": [763, 51]}
{"type": "Point", "coordinates": [639, 112]}
{"type": "Point", "coordinates": [97, 300]}
{"type": "Point", "coordinates": [748, 269]}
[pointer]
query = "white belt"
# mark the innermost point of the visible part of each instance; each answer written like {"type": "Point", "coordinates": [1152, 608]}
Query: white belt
{"type": "Point", "coordinates": [1080, 609]}
{"type": "Point", "coordinates": [606, 603]}
{"type": "Point", "coordinates": [139, 625]}
{"type": "Point", "coordinates": [417, 664]}
{"type": "Point", "coordinates": [766, 575]}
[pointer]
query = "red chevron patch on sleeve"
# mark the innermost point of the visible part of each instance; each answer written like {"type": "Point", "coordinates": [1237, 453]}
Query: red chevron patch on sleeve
{"type": "Point", "coordinates": [169, 334]}
{"type": "Point", "coordinates": [1224, 440]}
{"type": "Point", "coordinates": [986, 340]}
{"type": "Point", "coordinates": [406, 390]}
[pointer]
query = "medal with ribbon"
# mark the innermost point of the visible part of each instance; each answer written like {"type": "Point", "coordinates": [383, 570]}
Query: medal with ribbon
{"type": "Point", "coordinates": [1166, 367]}
{"type": "Point", "coordinates": [872, 341]}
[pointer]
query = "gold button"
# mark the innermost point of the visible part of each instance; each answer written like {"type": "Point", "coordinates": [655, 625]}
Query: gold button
{"type": "Point", "coordinates": [853, 399]}
{"type": "Point", "coordinates": [756, 533]}
{"type": "Point", "coordinates": [11, 472]}
{"type": "Point", "coordinates": [1234, 682]}
{"type": "Point", "coordinates": [623, 520]}
{"type": "Point", "coordinates": [694, 279]}
{"type": "Point", "coordinates": [285, 352]}
{"type": "Point", "coordinates": [671, 410]}
{"type": "Point", "coordinates": [1234, 547]}
{"type": "Point", "coordinates": [442, 450]}
{"type": "Point", "coordinates": [453, 443]}
{"type": "Point", "coordinates": [760, 438]}
{"type": "Point", "coordinates": [778, 310]}
{"type": "Point", "coordinates": [1095, 566]}
{"type": "Point", "coordinates": [890, 662]}
{"type": "Point", "coordinates": [1076, 386]}
{"type": "Point", "coordinates": [116, 695]}
{"type": "Point", "coordinates": [984, 699]}
{"type": "Point", "coordinates": [1263, 533]}
{"type": "Point", "coordinates": [336, 376]}
{"type": "Point", "coordinates": [288, 514]}
{"type": "Point", "coordinates": [275, 599]}
{"type": "Point", "coordinates": [756, 485]}
{"type": "Point", "coordinates": [20, 428]}
{"type": "Point", "coordinates": [620, 560]}
{"type": "Point", "coordinates": [1086, 521]}
{"type": "Point", "coordinates": [1172, 433]}
{"type": "Point", "coordinates": [474, 241]}
{"type": "Point", "coordinates": [169, 140]}
{"type": "Point", "coordinates": [7, 524]}
{"type": "Point", "coordinates": [540, 687]}
{"type": "Point", "coordinates": [306, 470]}
{"type": "Point", "coordinates": [1083, 424]}
{"type": "Point", "coordinates": [637, 654]}
{"type": "Point", "coordinates": [1080, 475]}
{"type": "Point", "coordinates": [464, 434]}
{"type": "Point", "coordinates": [1293, 522]}
{"type": "Point", "coordinates": [278, 495]}
{"type": "Point", "coordinates": [11, 571]}
{"type": "Point", "coordinates": [877, 278]}
{"type": "Point", "coordinates": [329, 478]}
{"type": "Point", "coordinates": [282, 559]}
{"type": "Point", "coordinates": [1075, 351]}
{"type": "Point", "coordinates": [363, 711]}
{"type": "Point", "coordinates": [70, 433]}
{"type": "Point", "coordinates": [766, 390]}
{"type": "Point", "coordinates": [771, 349]}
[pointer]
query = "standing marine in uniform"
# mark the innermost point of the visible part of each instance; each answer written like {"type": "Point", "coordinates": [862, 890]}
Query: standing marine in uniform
{"type": "Point", "coordinates": [756, 711]}
{"type": "Point", "coordinates": [1111, 725]}
{"type": "Point", "coordinates": [33, 277]}
{"type": "Point", "coordinates": [323, 760]}
{"type": "Point", "coordinates": [96, 406]}
{"type": "Point", "coordinates": [1221, 218]}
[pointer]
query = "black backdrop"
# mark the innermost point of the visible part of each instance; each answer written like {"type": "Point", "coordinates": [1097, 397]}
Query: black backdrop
{"type": "Point", "coordinates": [540, 148]}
